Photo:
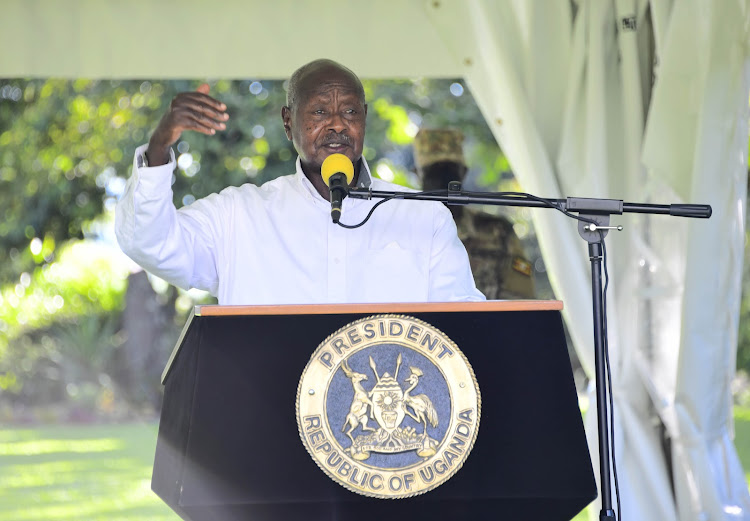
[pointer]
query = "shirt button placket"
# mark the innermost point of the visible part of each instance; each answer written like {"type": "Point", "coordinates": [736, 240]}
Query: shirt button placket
{"type": "Point", "coordinates": [336, 263]}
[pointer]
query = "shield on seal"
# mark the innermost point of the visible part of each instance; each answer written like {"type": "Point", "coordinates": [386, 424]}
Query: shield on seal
{"type": "Point", "coordinates": [388, 403]}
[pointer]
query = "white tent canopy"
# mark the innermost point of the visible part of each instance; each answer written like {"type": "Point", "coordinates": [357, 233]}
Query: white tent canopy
{"type": "Point", "coordinates": [641, 100]}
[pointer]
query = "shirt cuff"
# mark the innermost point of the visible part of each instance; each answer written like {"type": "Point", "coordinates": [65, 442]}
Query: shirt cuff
{"type": "Point", "coordinates": [152, 179]}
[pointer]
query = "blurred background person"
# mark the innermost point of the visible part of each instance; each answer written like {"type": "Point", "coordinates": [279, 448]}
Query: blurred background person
{"type": "Point", "coordinates": [501, 268]}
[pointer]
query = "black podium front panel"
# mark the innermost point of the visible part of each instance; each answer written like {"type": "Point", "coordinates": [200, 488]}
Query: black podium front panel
{"type": "Point", "coordinates": [229, 448]}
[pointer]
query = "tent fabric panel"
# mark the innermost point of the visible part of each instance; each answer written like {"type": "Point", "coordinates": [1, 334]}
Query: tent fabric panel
{"type": "Point", "coordinates": [707, 481]}
{"type": "Point", "coordinates": [602, 132]}
{"type": "Point", "coordinates": [227, 39]}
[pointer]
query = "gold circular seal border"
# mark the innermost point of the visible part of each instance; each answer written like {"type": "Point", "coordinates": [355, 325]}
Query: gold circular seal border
{"type": "Point", "coordinates": [320, 433]}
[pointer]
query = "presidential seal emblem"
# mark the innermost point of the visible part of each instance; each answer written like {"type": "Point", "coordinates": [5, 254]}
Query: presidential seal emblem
{"type": "Point", "coordinates": [388, 406]}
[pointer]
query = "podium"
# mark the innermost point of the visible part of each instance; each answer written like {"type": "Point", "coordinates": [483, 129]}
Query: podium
{"type": "Point", "coordinates": [229, 448]}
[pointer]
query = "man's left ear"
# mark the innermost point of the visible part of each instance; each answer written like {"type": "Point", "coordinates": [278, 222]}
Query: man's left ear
{"type": "Point", "coordinates": [286, 118]}
{"type": "Point", "coordinates": [365, 109]}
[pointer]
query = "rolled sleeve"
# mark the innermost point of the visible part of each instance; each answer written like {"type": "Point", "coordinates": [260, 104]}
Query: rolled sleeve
{"type": "Point", "coordinates": [151, 231]}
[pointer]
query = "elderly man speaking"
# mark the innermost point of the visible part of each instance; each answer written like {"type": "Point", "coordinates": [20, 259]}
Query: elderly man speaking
{"type": "Point", "coordinates": [276, 244]}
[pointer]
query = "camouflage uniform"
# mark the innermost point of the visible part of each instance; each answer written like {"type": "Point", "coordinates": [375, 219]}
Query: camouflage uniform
{"type": "Point", "coordinates": [501, 268]}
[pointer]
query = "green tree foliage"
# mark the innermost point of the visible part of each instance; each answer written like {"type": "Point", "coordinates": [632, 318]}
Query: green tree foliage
{"type": "Point", "coordinates": [59, 327]}
{"type": "Point", "coordinates": [66, 147]}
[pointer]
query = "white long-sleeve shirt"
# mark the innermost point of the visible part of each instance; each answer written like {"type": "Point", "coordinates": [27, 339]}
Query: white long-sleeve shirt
{"type": "Point", "coordinates": [276, 244]}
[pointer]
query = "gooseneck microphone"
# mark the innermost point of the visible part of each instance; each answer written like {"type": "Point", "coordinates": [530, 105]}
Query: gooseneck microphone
{"type": "Point", "coordinates": [337, 172]}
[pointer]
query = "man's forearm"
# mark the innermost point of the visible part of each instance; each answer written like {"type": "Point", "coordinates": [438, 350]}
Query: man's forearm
{"type": "Point", "coordinates": [156, 154]}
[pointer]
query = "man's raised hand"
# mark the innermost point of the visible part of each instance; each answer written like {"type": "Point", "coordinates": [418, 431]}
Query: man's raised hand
{"type": "Point", "coordinates": [188, 111]}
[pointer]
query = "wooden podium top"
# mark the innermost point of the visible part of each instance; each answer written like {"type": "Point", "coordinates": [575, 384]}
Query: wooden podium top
{"type": "Point", "coordinates": [407, 307]}
{"type": "Point", "coordinates": [344, 309]}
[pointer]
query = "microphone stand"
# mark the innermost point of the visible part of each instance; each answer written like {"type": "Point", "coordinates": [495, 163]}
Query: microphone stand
{"type": "Point", "coordinates": [593, 226]}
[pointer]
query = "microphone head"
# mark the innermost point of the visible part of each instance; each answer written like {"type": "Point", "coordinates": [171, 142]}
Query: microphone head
{"type": "Point", "coordinates": [337, 164]}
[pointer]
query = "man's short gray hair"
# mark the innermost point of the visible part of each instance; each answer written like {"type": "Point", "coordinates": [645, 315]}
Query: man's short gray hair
{"type": "Point", "coordinates": [293, 93]}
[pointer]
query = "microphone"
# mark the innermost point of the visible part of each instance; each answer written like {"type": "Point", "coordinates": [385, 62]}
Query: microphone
{"type": "Point", "coordinates": [337, 172]}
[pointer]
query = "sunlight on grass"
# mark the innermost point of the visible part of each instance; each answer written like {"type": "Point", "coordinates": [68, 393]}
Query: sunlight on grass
{"type": "Point", "coordinates": [81, 473]}
{"type": "Point", "coordinates": [31, 448]}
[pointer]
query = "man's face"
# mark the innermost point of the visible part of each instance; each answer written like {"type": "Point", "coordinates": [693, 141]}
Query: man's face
{"type": "Point", "coordinates": [328, 117]}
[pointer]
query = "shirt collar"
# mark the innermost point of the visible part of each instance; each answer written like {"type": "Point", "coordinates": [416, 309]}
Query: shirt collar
{"type": "Point", "coordinates": [364, 181]}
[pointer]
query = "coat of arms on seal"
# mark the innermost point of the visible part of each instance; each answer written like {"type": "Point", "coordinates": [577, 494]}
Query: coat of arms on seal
{"type": "Point", "coordinates": [388, 407]}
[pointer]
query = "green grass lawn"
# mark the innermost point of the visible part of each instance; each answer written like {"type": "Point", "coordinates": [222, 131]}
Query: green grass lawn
{"type": "Point", "coordinates": [103, 472]}
{"type": "Point", "coordinates": [81, 473]}
{"type": "Point", "coordinates": [742, 437]}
